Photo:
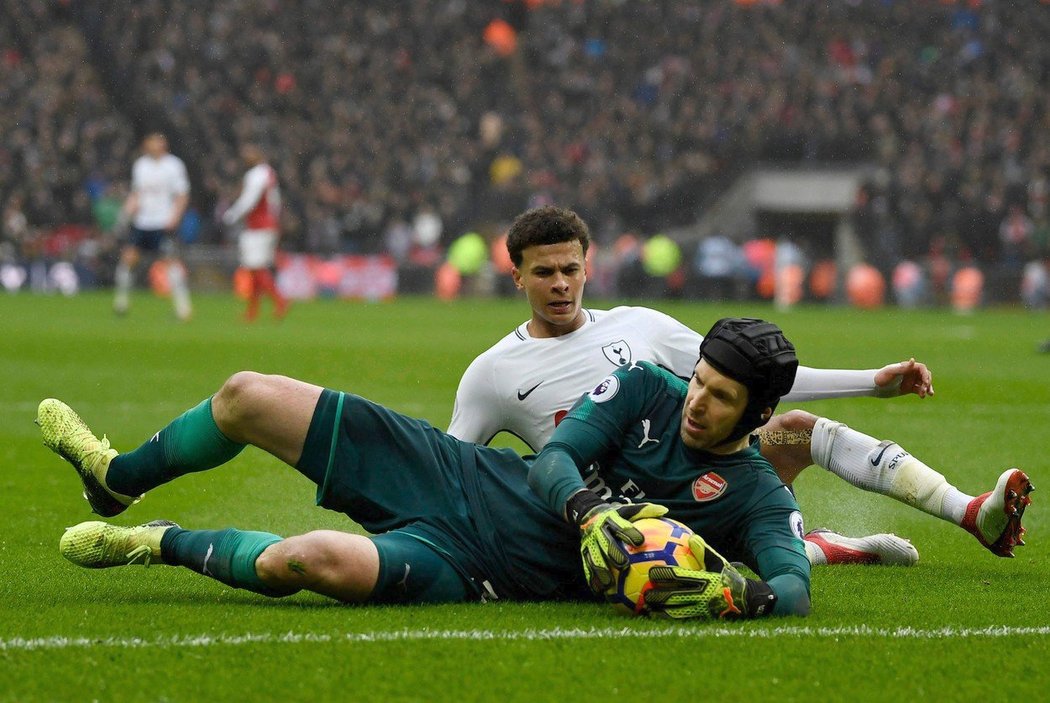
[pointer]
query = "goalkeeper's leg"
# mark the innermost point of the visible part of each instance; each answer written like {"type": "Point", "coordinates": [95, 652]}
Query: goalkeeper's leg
{"type": "Point", "coordinates": [884, 467]}
{"type": "Point", "coordinates": [273, 413]}
{"type": "Point", "coordinates": [335, 564]}
{"type": "Point", "coordinates": [390, 568]}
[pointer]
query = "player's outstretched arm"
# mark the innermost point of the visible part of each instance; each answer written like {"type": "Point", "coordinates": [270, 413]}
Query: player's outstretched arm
{"type": "Point", "coordinates": [890, 381]}
{"type": "Point", "coordinates": [904, 377]}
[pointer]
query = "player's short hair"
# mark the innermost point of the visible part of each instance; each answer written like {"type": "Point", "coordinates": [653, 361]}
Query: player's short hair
{"type": "Point", "coordinates": [545, 225]}
{"type": "Point", "coordinates": [756, 354]}
{"type": "Point", "coordinates": [252, 153]}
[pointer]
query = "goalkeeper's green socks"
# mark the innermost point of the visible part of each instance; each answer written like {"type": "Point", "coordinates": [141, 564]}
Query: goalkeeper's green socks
{"type": "Point", "coordinates": [225, 555]}
{"type": "Point", "coordinates": [191, 442]}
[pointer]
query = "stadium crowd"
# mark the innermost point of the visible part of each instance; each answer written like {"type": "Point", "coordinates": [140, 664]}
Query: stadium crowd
{"type": "Point", "coordinates": [638, 115]}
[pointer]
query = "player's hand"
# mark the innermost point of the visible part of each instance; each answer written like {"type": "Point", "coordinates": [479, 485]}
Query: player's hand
{"type": "Point", "coordinates": [716, 592]}
{"type": "Point", "coordinates": [903, 378]}
{"type": "Point", "coordinates": [601, 527]}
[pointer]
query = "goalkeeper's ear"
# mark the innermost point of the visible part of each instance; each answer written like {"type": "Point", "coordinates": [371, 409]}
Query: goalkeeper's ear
{"type": "Point", "coordinates": [709, 559]}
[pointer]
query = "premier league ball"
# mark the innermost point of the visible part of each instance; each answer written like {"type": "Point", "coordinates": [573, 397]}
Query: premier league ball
{"type": "Point", "coordinates": [666, 544]}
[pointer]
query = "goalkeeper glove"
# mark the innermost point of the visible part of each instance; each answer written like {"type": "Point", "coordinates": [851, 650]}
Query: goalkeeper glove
{"type": "Point", "coordinates": [717, 592]}
{"type": "Point", "coordinates": [602, 525]}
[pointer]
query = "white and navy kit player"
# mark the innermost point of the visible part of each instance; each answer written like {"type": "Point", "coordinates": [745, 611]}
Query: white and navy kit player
{"type": "Point", "coordinates": [158, 185]}
{"type": "Point", "coordinates": [259, 204]}
{"type": "Point", "coordinates": [525, 385]}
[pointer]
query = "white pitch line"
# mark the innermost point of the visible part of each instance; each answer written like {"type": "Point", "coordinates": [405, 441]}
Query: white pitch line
{"type": "Point", "coordinates": [684, 632]}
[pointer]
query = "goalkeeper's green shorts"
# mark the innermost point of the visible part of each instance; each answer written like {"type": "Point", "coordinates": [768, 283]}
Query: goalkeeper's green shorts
{"type": "Point", "coordinates": [401, 479]}
{"type": "Point", "coordinates": [414, 570]}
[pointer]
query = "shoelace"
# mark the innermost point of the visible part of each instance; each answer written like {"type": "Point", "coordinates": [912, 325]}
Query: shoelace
{"type": "Point", "coordinates": [142, 551]}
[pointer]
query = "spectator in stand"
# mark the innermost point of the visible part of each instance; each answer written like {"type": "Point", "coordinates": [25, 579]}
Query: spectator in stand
{"type": "Point", "coordinates": [719, 267]}
{"type": "Point", "coordinates": [259, 207]}
{"type": "Point", "coordinates": [1015, 235]}
{"type": "Point", "coordinates": [415, 107]}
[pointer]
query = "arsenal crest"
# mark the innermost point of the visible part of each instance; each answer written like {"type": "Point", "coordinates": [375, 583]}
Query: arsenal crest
{"type": "Point", "coordinates": [708, 487]}
{"type": "Point", "coordinates": [618, 352]}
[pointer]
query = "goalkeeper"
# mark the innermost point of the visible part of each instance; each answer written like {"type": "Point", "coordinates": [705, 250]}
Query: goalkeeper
{"type": "Point", "coordinates": [690, 450]}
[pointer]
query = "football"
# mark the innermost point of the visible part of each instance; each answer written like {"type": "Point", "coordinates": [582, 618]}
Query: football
{"type": "Point", "coordinates": [666, 544]}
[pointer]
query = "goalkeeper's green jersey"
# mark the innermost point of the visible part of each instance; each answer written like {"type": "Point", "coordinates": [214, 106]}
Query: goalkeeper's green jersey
{"type": "Point", "coordinates": [623, 440]}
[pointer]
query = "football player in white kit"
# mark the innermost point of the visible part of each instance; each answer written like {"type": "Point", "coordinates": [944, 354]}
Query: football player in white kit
{"type": "Point", "coordinates": [259, 205]}
{"type": "Point", "coordinates": [160, 193]}
{"type": "Point", "coordinates": [529, 380]}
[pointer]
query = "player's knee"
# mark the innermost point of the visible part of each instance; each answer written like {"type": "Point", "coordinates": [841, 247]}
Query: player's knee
{"type": "Point", "coordinates": [291, 564]}
{"type": "Point", "coordinates": [235, 400]}
{"type": "Point", "coordinates": [795, 420]}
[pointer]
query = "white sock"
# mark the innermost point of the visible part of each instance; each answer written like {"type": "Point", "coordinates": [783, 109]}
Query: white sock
{"type": "Point", "coordinates": [180, 292]}
{"type": "Point", "coordinates": [816, 554]}
{"type": "Point", "coordinates": [884, 467]}
{"type": "Point", "coordinates": [122, 282]}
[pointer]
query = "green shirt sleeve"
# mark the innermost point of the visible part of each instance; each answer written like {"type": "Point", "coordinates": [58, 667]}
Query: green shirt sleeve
{"type": "Point", "coordinates": [586, 433]}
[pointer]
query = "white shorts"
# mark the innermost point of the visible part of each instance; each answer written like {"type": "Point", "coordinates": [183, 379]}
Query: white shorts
{"type": "Point", "coordinates": [257, 248]}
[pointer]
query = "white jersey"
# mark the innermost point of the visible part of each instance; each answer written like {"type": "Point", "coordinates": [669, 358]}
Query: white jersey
{"type": "Point", "coordinates": [525, 385]}
{"type": "Point", "coordinates": [157, 183]}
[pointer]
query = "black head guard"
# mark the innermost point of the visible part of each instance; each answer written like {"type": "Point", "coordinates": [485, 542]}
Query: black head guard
{"type": "Point", "coordinates": [756, 354]}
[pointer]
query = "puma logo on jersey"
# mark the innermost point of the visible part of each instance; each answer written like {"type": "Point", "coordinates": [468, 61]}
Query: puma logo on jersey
{"type": "Point", "coordinates": [646, 439]}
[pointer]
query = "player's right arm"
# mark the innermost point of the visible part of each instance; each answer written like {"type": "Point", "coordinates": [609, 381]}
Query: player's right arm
{"type": "Point", "coordinates": [477, 414]}
{"type": "Point", "coordinates": [556, 476]}
{"type": "Point", "coordinates": [131, 203]}
{"type": "Point", "coordinates": [181, 188]}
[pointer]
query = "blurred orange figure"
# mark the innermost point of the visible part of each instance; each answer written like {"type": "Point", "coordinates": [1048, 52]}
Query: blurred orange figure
{"type": "Point", "coordinates": [447, 282]}
{"type": "Point", "coordinates": [789, 288]}
{"type": "Point", "coordinates": [865, 286]}
{"type": "Point", "coordinates": [500, 256]}
{"type": "Point", "coordinates": [967, 287]}
{"type": "Point", "coordinates": [501, 37]}
{"type": "Point", "coordinates": [822, 279]}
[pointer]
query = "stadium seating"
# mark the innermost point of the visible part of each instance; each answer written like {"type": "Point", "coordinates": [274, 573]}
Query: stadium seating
{"type": "Point", "coordinates": [633, 113]}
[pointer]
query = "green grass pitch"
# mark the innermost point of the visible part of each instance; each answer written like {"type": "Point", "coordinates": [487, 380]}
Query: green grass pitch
{"type": "Point", "coordinates": [961, 626]}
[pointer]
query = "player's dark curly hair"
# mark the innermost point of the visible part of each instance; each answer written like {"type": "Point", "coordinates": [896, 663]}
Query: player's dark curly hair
{"type": "Point", "coordinates": [545, 225]}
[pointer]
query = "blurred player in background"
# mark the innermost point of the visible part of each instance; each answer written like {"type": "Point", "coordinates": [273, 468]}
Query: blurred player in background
{"type": "Point", "coordinates": [526, 383]}
{"type": "Point", "coordinates": [259, 206]}
{"type": "Point", "coordinates": [156, 203]}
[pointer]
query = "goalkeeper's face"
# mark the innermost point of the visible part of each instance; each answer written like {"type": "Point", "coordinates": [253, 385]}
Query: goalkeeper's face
{"type": "Point", "coordinates": [713, 406]}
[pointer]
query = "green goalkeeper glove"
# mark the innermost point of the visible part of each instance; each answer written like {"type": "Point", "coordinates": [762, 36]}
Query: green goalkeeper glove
{"type": "Point", "coordinates": [601, 525]}
{"type": "Point", "coordinates": [717, 592]}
